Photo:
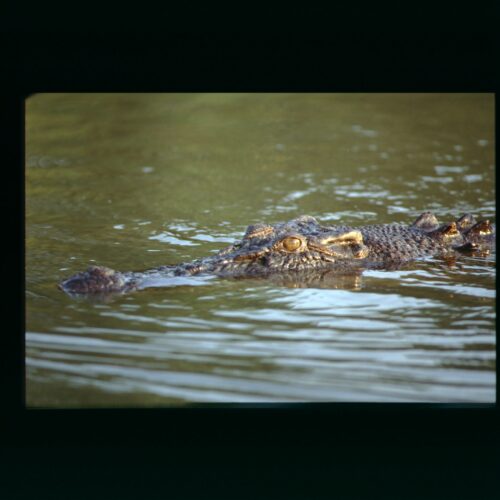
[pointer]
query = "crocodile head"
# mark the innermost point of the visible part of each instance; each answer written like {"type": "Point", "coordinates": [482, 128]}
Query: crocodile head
{"type": "Point", "coordinates": [314, 253]}
{"type": "Point", "coordinates": [296, 245]}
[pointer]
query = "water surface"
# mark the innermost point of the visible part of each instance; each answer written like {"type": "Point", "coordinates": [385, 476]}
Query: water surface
{"type": "Point", "coordinates": [133, 181]}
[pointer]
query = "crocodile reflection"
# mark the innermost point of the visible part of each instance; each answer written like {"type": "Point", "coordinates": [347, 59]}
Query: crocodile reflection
{"type": "Point", "coordinates": [302, 252]}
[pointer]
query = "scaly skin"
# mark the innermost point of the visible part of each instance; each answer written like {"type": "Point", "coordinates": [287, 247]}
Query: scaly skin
{"type": "Point", "coordinates": [303, 247]}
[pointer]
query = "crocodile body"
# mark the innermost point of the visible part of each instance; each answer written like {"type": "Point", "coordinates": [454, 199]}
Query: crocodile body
{"type": "Point", "coordinates": [304, 247]}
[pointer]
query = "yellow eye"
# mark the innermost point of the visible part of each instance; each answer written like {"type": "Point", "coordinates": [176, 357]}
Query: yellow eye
{"type": "Point", "coordinates": [291, 243]}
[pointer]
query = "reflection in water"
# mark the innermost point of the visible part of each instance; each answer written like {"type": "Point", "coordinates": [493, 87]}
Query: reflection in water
{"type": "Point", "coordinates": [325, 279]}
{"type": "Point", "coordinates": [138, 181]}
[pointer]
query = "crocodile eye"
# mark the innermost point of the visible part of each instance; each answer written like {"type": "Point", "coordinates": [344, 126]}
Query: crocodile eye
{"type": "Point", "coordinates": [291, 243]}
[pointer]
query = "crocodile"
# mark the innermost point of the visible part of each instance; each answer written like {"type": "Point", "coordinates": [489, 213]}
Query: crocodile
{"type": "Point", "coordinates": [303, 246]}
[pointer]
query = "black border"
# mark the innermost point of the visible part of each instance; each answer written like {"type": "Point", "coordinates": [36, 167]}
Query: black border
{"type": "Point", "coordinates": [361, 60]}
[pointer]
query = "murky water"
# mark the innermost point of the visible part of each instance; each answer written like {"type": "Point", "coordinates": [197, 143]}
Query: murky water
{"type": "Point", "coordinates": [133, 181]}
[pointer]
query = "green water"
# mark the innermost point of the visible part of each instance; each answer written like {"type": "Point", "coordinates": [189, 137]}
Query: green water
{"type": "Point", "coordinates": [133, 181]}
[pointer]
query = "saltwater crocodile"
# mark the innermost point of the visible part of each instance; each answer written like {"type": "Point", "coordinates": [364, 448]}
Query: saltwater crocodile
{"type": "Point", "coordinates": [303, 246]}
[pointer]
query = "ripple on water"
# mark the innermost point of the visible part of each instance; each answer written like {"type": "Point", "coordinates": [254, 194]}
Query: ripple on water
{"type": "Point", "coordinates": [423, 333]}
